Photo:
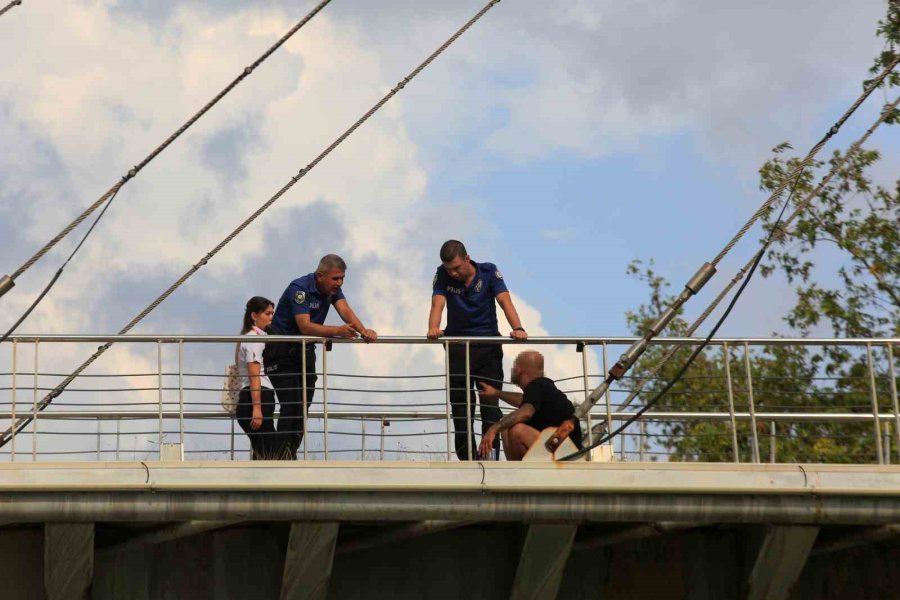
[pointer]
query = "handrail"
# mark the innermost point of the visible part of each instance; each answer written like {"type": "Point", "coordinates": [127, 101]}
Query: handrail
{"type": "Point", "coordinates": [587, 340]}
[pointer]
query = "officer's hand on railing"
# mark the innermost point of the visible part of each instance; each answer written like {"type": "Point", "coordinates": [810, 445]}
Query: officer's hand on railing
{"type": "Point", "coordinates": [434, 333]}
{"type": "Point", "coordinates": [346, 331]}
{"type": "Point", "coordinates": [487, 391]}
{"type": "Point", "coordinates": [518, 334]}
{"type": "Point", "coordinates": [369, 335]}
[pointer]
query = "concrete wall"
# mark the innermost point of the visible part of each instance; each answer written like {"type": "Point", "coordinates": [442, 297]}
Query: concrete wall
{"type": "Point", "coordinates": [475, 563]}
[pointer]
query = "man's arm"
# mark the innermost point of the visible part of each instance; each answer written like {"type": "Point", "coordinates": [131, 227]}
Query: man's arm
{"type": "Point", "coordinates": [438, 302]}
{"type": "Point", "coordinates": [346, 313]}
{"type": "Point", "coordinates": [489, 392]}
{"type": "Point", "coordinates": [512, 316]}
{"type": "Point", "coordinates": [307, 327]}
{"type": "Point", "coordinates": [522, 414]}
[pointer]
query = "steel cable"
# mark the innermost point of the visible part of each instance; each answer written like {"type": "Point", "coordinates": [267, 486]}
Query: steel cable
{"type": "Point", "coordinates": [9, 7]}
{"type": "Point", "coordinates": [776, 230]}
{"type": "Point", "coordinates": [780, 233]}
{"type": "Point", "coordinates": [21, 423]}
{"type": "Point", "coordinates": [776, 194]}
{"type": "Point", "coordinates": [137, 168]}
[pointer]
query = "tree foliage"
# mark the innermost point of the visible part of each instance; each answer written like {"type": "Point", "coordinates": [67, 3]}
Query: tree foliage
{"type": "Point", "coordinates": [841, 260]}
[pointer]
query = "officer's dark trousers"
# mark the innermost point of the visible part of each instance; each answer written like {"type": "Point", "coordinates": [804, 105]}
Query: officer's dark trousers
{"type": "Point", "coordinates": [288, 383]}
{"type": "Point", "coordinates": [264, 442]}
{"type": "Point", "coordinates": [485, 364]}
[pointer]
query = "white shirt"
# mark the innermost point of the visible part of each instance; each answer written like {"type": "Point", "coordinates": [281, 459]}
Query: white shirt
{"type": "Point", "coordinates": [252, 352]}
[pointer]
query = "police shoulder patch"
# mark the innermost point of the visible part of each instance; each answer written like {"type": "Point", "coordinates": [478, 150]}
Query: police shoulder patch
{"type": "Point", "coordinates": [498, 274]}
{"type": "Point", "coordinates": [300, 297]}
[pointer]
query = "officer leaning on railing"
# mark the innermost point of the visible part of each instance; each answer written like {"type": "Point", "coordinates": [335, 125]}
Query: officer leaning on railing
{"type": "Point", "coordinates": [301, 310]}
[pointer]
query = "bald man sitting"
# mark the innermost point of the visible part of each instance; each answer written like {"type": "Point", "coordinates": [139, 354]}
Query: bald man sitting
{"type": "Point", "coordinates": [538, 406]}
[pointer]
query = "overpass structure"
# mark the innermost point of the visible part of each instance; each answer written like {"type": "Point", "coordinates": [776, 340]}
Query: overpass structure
{"type": "Point", "coordinates": [130, 489]}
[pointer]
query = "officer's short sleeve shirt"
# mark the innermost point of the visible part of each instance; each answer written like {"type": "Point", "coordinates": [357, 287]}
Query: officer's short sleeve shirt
{"type": "Point", "coordinates": [302, 297]}
{"type": "Point", "coordinates": [471, 310]}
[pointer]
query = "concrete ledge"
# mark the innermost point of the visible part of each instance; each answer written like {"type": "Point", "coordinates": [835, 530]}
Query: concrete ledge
{"type": "Point", "coordinates": [545, 478]}
{"type": "Point", "coordinates": [270, 505]}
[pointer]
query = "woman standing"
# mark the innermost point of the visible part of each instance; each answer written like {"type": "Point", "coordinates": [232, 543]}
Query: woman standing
{"type": "Point", "coordinates": [256, 403]}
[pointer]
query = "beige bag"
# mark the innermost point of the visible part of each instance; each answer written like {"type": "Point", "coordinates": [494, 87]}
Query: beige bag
{"type": "Point", "coordinates": [231, 390]}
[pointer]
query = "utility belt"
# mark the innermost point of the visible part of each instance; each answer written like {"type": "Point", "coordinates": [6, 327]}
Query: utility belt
{"type": "Point", "coordinates": [278, 357]}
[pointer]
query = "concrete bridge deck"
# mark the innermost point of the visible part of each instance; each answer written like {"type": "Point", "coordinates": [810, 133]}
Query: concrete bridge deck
{"type": "Point", "coordinates": [342, 529]}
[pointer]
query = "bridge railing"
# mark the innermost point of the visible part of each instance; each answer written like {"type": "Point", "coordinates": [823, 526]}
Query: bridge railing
{"type": "Point", "coordinates": [162, 394]}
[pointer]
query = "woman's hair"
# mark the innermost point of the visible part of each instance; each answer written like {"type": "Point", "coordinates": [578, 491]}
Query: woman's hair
{"type": "Point", "coordinates": [255, 304]}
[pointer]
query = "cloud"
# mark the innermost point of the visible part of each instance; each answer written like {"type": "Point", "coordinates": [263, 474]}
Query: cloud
{"type": "Point", "coordinates": [109, 80]}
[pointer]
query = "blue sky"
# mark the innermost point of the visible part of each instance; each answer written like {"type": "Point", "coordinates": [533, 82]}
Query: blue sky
{"type": "Point", "coordinates": [560, 142]}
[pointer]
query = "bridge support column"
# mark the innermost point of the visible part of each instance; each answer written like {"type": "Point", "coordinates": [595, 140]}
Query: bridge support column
{"type": "Point", "coordinates": [68, 560]}
{"type": "Point", "coordinates": [307, 563]}
{"type": "Point", "coordinates": [780, 561]}
{"type": "Point", "coordinates": [543, 561]}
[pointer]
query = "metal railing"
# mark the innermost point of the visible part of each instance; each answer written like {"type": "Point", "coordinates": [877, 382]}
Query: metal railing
{"type": "Point", "coordinates": [732, 413]}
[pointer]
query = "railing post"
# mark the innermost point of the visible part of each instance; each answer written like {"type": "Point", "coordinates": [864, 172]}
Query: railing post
{"type": "Point", "coordinates": [305, 396]}
{"type": "Point", "coordinates": [609, 426]}
{"type": "Point", "coordinates": [734, 437]}
{"type": "Point", "coordinates": [232, 439]}
{"type": "Point", "coordinates": [12, 455]}
{"type": "Point", "coordinates": [642, 429]}
{"type": "Point", "coordinates": [324, 396]}
{"type": "Point", "coordinates": [587, 392]}
{"type": "Point", "coordinates": [450, 448]}
{"type": "Point", "coordinates": [752, 405]}
{"type": "Point", "coordinates": [362, 452]}
{"type": "Point", "coordinates": [118, 429]}
{"type": "Point", "coordinates": [34, 424]}
{"type": "Point", "coordinates": [160, 391]}
{"type": "Point", "coordinates": [98, 438]}
{"type": "Point", "coordinates": [887, 442]}
{"type": "Point", "coordinates": [772, 441]}
{"type": "Point", "coordinates": [382, 437]}
{"type": "Point", "coordinates": [890, 352]}
{"type": "Point", "coordinates": [879, 450]}
{"type": "Point", "coordinates": [469, 424]}
{"type": "Point", "coordinates": [181, 394]}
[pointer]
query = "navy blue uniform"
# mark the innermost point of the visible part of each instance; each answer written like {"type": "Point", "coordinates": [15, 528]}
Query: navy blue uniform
{"type": "Point", "coordinates": [472, 311]}
{"type": "Point", "coordinates": [301, 297]}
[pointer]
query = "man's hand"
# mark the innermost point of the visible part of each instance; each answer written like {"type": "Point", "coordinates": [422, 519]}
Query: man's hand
{"type": "Point", "coordinates": [486, 448]}
{"type": "Point", "coordinates": [257, 418]}
{"type": "Point", "coordinates": [518, 334]}
{"type": "Point", "coordinates": [486, 391]}
{"type": "Point", "coordinates": [434, 333]}
{"type": "Point", "coordinates": [345, 331]}
{"type": "Point", "coordinates": [369, 335]}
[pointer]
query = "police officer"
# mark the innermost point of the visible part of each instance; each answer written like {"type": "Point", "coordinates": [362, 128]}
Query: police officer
{"type": "Point", "coordinates": [468, 290]}
{"type": "Point", "coordinates": [301, 310]}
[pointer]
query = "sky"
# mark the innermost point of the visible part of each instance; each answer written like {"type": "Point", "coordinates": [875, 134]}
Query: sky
{"type": "Point", "coordinates": [559, 141]}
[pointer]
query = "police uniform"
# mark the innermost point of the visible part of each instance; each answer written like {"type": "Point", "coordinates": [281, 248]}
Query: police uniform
{"type": "Point", "coordinates": [472, 311]}
{"type": "Point", "coordinates": [284, 361]}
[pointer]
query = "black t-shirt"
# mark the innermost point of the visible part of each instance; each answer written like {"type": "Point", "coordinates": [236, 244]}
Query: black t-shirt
{"type": "Point", "coordinates": [551, 407]}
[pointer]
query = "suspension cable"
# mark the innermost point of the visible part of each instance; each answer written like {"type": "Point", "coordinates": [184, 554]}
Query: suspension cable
{"type": "Point", "coordinates": [9, 7]}
{"type": "Point", "coordinates": [8, 281]}
{"type": "Point", "coordinates": [23, 422]}
{"type": "Point", "coordinates": [777, 231]}
{"type": "Point", "coordinates": [780, 233]}
{"type": "Point", "coordinates": [705, 273]}
{"type": "Point", "coordinates": [59, 272]}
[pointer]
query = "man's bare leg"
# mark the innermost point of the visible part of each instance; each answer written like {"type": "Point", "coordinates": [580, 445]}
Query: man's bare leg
{"type": "Point", "coordinates": [518, 440]}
